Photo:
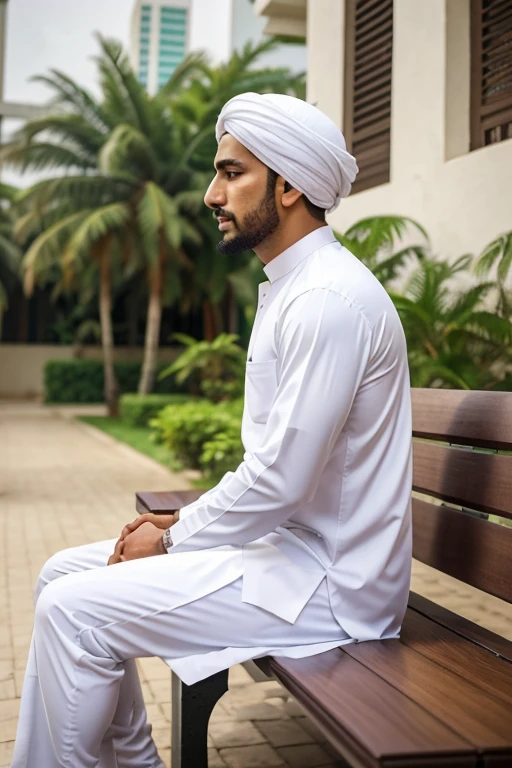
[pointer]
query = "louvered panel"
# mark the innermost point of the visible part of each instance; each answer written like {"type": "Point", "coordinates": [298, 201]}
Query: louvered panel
{"type": "Point", "coordinates": [369, 47]}
{"type": "Point", "coordinates": [491, 71]}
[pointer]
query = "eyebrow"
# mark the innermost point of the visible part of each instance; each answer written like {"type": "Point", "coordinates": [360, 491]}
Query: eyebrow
{"type": "Point", "coordinates": [221, 164]}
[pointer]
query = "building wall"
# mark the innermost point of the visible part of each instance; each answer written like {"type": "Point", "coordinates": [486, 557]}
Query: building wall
{"type": "Point", "coordinates": [22, 365]}
{"type": "Point", "coordinates": [462, 198]}
{"type": "Point", "coordinates": [159, 39]}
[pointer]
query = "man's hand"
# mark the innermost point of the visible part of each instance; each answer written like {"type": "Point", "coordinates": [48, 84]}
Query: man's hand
{"type": "Point", "coordinates": [160, 521]}
{"type": "Point", "coordinates": [145, 541]}
{"type": "Point", "coordinates": [147, 544]}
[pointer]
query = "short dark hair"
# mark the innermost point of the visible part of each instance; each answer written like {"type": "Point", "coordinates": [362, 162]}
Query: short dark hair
{"type": "Point", "coordinates": [313, 210]}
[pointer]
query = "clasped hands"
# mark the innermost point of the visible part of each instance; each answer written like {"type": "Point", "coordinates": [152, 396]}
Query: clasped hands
{"type": "Point", "coordinates": [142, 538]}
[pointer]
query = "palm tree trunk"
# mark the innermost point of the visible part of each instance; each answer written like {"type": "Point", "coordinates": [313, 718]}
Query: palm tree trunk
{"type": "Point", "coordinates": [153, 323]}
{"type": "Point", "coordinates": [107, 335]}
{"type": "Point", "coordinates": [232, 311]}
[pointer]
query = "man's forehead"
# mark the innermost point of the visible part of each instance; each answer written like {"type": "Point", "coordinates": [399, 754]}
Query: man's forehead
{"type": "Point", "coordinates": [230, 148]}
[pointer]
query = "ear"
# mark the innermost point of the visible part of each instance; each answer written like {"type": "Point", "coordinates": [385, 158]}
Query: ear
{"type": "Point", "coordinates": [289, 195]}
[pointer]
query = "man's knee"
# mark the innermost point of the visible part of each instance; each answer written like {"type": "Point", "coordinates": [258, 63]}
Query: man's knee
{"type": "Point", "coordinates": [54, 567]}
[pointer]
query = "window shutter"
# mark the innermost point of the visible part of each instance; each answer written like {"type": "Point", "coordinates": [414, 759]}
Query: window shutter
{"type": "Point", "coordinates": [491, 71]}
{"type": "Point", "coordinates": [367, 97]}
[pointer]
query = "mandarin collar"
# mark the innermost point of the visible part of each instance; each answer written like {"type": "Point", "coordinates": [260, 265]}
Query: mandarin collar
{"type": "Point", "coordinates": [292, 257]}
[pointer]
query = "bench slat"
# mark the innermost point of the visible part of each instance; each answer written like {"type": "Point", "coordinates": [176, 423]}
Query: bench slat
{"type": "Point", "coordinates": [461, 626]}
{"type": "Point", "coordinates": [481, 419]}
{"type": "Point", "coordinates": [165, 502]}
{"type": "Point", "coordinates": [491, 675]}
{"type": "Point", "coordinates": [459, 476]}
{"type": "Point", "coordinates": [458, 702]}
{"type": "Point", "coordinates": [471, 550]}
{"type": "Point", "coordinates": [366, 719]}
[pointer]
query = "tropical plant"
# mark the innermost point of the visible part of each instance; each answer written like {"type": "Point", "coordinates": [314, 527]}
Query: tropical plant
{"type": "Point", "coordinates": [218, 365]}
{"type": "Point", "coordinates": [373, 240]}
{"type": "Point", "coordinates": [131, 196]}
{"type": "Point", "coordinates": [497, 254]}
{"type": "Point", "coordinates": [453, 341]}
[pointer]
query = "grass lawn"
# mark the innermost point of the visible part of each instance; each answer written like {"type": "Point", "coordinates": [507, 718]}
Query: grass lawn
{"type": "Point", "coordinates": [140, 439]}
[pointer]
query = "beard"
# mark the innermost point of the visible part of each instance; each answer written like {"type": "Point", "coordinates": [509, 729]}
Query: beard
{"type": "Point", "coordinates": [256, 226]}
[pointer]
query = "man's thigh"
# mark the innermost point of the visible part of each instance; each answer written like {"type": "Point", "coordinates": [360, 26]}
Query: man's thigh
{"type": "Point", "coordinates": [175, 606]}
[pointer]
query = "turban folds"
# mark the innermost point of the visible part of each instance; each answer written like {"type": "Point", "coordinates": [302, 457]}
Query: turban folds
{"type": "Point", "coordinates": [296, 140]}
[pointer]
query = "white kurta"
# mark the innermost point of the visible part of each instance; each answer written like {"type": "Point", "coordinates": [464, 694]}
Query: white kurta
{"type": "Point", "coordinates": [325, 485]}
{"type": "Point", "coordinates": [306, 546]}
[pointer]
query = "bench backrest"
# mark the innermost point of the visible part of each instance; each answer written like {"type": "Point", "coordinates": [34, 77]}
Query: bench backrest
{"type": "Point", "coordinates": [460, 459]}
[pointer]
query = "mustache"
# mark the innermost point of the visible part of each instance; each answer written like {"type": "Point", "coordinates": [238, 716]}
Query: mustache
{"type": "Point", "coordinates": [220, 212]}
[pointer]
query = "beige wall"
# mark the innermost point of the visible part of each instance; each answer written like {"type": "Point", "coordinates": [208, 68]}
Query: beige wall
{"type": "Point", "coordinates": [21, 365]}
{"type": "Point", "coordinates": [462, 198]}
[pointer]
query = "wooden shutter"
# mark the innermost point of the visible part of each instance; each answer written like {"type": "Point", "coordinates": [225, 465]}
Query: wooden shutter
{"type": "Point", "coordinates": [491, 71]}
{"type": "Point", "coordinates": [367, 96]}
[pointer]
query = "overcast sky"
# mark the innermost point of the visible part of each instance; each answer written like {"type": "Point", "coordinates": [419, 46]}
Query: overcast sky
{"type": "Point", "coordinates": [44, 34]}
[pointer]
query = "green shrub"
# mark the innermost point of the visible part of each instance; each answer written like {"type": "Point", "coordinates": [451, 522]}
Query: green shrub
{"type": "Point", "coordinates": [201, 434]}
{"type": "Point", "coordinates": [81, 381]}
{"type": "Point", "coordinates": [215, 368]}
{"type": "Point", "coordinates": [138, 410]}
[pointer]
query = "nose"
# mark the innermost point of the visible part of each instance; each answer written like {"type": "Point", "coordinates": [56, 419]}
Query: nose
{"type": "Point", "coordinates": [215, 196]}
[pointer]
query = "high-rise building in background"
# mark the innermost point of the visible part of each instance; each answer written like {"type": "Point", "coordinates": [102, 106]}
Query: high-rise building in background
{"type": "Point", "coordinates": [159, 39]}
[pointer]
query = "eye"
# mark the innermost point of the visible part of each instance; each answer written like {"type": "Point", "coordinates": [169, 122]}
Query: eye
{"type": "Point", "coordinates": [232, 174]}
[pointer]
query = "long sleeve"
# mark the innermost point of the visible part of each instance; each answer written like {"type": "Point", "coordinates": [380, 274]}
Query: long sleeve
{"type": "Point", "coordinates": [323, 345]}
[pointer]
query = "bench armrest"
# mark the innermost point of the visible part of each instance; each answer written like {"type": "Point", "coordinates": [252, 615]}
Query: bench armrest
{"type": "Point", "coordinates": [164, 502]}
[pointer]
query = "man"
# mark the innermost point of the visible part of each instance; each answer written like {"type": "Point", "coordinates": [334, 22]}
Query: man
{"type": "Point", "coordinates": [307, 545]}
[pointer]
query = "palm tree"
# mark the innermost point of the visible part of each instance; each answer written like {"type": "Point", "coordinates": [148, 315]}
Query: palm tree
{"type": "Point", "coordinates": [10, 254]}
{"type": "Point", "coordinates": [135, 179]}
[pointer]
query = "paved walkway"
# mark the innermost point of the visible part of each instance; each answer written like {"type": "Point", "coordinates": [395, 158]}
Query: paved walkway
{"type": "Point", "coordinates": [63, 483]}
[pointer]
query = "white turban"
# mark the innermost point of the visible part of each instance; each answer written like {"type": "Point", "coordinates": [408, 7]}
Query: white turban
{"type": "Point", "coordinates": [296, 140]}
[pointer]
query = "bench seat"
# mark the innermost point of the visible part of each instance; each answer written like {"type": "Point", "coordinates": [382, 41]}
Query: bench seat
{"type": "Point", "coordinates": [436, 697]}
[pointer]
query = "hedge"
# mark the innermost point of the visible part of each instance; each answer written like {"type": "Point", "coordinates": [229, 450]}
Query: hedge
{"type": "Point", "coordinates": [137, 410]}
{"type": "Point", "coordinates": [81, 381]}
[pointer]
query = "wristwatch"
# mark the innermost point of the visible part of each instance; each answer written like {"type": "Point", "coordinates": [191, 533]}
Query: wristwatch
{"type": "Point", "coordinates": [166, 538]}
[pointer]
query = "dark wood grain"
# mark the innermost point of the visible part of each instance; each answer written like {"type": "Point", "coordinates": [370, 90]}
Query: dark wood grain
{"type": "Point", "coordinates": [473, 632]}
{"type": "Point", "coordinates": [471, 550]}
{"type": "Point", "coordinates": [476, 480]}
{"type": "Point", "coordinates": [481, 720]}
{"type": "Point", "coordinates": [368, 720]}
{"type": "Point", "coordinates": [488, 673]}
{"type": "Point", "coordinates": [165, 502]}
{"type": "Point", "coordinates": [481, 419]}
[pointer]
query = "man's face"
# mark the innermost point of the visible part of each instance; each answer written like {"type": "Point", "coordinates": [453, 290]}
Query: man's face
{"type": "Point", "coordinates": [242, 196]}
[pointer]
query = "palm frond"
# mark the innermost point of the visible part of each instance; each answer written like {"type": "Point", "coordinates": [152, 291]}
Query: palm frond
{"type": "Point", "coordinates": [47, 249]}
{"type": "Point", "coordinates": [128, 148]}
{"type": "Point", "coordinates": [498, 251]}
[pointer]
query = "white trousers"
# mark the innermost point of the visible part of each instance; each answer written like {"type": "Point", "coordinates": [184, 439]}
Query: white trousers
{"type": "Point", "coordinates": [82, 705]}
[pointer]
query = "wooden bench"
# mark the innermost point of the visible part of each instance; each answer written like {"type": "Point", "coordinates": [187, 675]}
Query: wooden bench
{"type": "Point", "coordinates": [441, 696]}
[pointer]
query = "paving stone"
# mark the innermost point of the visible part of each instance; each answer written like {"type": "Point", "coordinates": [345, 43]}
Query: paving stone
{"type": "Point", "coordinates": [284, 733]}
{"type": "Point", "coordinates": [162, 737]}
{"type": "Point", "coordinates": [293, 708]}
{"type": "Point", "coordinates": [234, 734]}
{"type": "Point", "coordinates": [6, 750]}
{"type": "Point", "coordinates": [239, 676]}
{"type": "Point", "coordinates": [307, 725]}
{"type": "Point", "coordinates": [305, 756]}
{"type": "Point", "coordinates": [259, 711]}
{"type": "Point", "coordinates": [215, 760]}
{"type": "Point", "coordinates": [161, 689]}
{"type": "Point", "coordinates": [260, 756]}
